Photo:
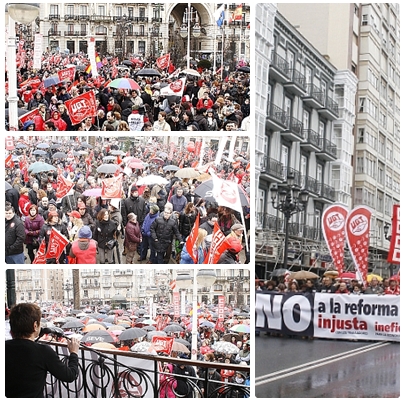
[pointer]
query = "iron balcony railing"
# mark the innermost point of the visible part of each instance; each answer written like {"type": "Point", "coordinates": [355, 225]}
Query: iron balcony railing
{"type": "Point", "coordinates": [277, 114]}
{"type": "Point", "coordinates": [332, 106]}
{"type": "Point", "coordinates": [106, 374]}
{"type": "Point", "coordinates": [311, 137]}
{"type": "Point", "coordinates": [312, 185]}
{"type": "Point", "coordinates": [328, 192]}
{"type": "Point", "coordinates": [272, 167]}
{"type": "Point", "coordinates": [295, 126]}
{"type": "Point", "coordinates": [280, 63]}
{"type": "Point", "coordinates": [298, 78]}
{"type": "Point", "coordinates": [316, 93]}
{"type": "Point", "coordinates": [327, 146]}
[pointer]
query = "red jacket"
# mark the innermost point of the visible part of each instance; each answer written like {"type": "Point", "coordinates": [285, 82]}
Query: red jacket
{"type": "Point", "coordinates": [84, 251]}
{"type": "Point", "coordinates": [24, 204]}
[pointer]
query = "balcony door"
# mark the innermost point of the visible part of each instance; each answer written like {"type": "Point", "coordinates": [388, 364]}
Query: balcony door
{"type": "Point", "coordinates": [285, 160]}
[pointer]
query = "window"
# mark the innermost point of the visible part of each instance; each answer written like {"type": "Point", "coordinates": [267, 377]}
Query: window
{"type": "Point", "coordinates": [70, 29]}
{"type": "Point", "coordinates": [380, 202]}
{"type": "Point", "coordinates": [303, 171]}
{"type": "Point", "coordinates": [70, 10]}
{"type": "Point", "coordinates": [119, 11]}
{"type": "Point", "coordinates": [321, 130]}
{"type": "Point", "coordinates": [381, 172]}
{"type": "Point", "coordinates": [83, 10]}
{"type": "Point", "coordinates": [364, 19]}
{"type": "Point", "coordinates": [142, 12]}
{"type": "Point", "coordinates": [388, 180]}
{"type": "Point", "coordinates": [309, 75]}
{"type": "Point", "coordinates": [285, 160]}
{"type": "Point", "coordinates": [372, 78]}
{"type": "Point", "coordinates": [130, 12]}
{"type": "Point", "coordinates": [141, 47]}
{"type": "Point", "coordinates": [101, 10]}
{"type": "Point", "coordinates": [54, 10]}
{"type": "Point", "coordinates": [319, 174]}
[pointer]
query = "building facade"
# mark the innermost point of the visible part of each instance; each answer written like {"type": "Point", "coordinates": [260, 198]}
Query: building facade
{"type": "Point", "coordinates": [146, 29]}
{"type": "Point", "coordinates": [298, 138]}
{"type": "Point", "coordinates": [363, 41]}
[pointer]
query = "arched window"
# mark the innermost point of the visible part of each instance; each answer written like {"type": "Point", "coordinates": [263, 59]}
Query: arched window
{"type": "Point", "coordinates": [101, 30]}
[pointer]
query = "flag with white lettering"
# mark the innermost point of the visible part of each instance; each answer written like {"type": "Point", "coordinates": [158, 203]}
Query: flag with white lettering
{"type": "Point", "coordinates": [81, 107]}
{"type": "Point", "coordinates": [63, 186]}
{"type": "Point", "coordinates": [112, 187]}
{"type": "Point", "coordinates": [162, 343]}
{"type": "Point", "coordinates": [394, 255]}
{"type": "Point", "coordinates": [357, 234]}
{"type": "Point", "coordinates": [29, 116]}
{"type": "Point", "coordinates": [333, 224]}
{"type": "Point", "coordinates": [9, 162]}
{"type": "Point", "coordinates": [226, 193]}
{"type": "Point", "coordinates": [163, 61]}
{"type": "Point", "coordinates": [56, 245]}
{"type": "Point", "coordinates": [175, 88]}
{"type": "Point", "coordinates": [218, 246]}
{"type": "Point", "coordinates": [67, 74]}
{"type": "Point", "coordinates": [40, 254]}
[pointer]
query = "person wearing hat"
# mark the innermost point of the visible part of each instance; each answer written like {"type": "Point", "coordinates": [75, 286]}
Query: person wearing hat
{"type": "Point", "coordinates": [236, 231]}
{"type": "Point", "coordinates": [231, 255]}
{"type": "Point", "coordinates": [53, 221]}
{"type": "Point", "coordinates": [74, 224]}
{"type": "Point", "coordinates": [146, 235]}
{"type": "Point", "coordinates": [28, 126]}
{"type": "Point", "coordinates": [115, 214]}
{"type": "Point", "coordinates": [86, 217]}
{"type": "Point", "coordinates": [133, 237]}
{"type": "Point", "coordinates": [52, 207]}
{"type": "Point", "coordinates": [84, 248]}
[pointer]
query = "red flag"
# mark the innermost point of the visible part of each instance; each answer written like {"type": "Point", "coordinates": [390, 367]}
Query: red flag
{"type": "Point", "coordinates": [9, 162]}
{"type": "Point", "coordinates": [40, 255]}
{"type": "Point", "coordinates": [357, 234]}
{"type": "Point", "coordinates": [333, 223]}
{"type": "Point", "coordinates": [176, 88]}
{"type": "Point", "coordinates": [63, 186]}
{"type": "Point", "coordinates": [67, 74]}
{"type": "Point", "coordinates": [171, 68]}
{"type": "Point", "coordinates": [119, 160]}
{"type": "Point", "coordinates": [191, 240]}
{"type": "Point", "coordinates": [218, 246]}
{"type": "Point", "coordinates": [10, 143]}
{"type": "Point", "coordinates": [171, 150]}
{"type": "Point", "coordinates": [221, 308]}
{"type": "Point", "coordinates": [197, 148]}
{"type": "Point", "coordinates": [394, 254]}
{"type": "Point", "coordinates": [57, 243]}
{"type": "Point", "coordinates": [162, 343]}
{"type": "Point", "coordinates": [111, 188]}
{"type": "Point", "coordinates": [81, 107]}
{"type": "Point", "coordinates": [163, 61]}
{"type": "Point", "coordinates": [226, 193]}
{"type": "Point", "coordinates": [29, 116]}
{"type": "Point", "coordinates": [176, 304]}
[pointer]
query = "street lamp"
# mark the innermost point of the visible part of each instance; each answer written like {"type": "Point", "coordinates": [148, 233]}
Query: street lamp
{"type": "Point", "coordinates": [23, 13]}
{"type": "Point", "coordinates": [289, 200]}
{"type": "Point", "coordinates": [68, 287]}
{"type": "Point", "coordinates": [204, 278]}
{"type": "Point", "coordinates": [185, 28]}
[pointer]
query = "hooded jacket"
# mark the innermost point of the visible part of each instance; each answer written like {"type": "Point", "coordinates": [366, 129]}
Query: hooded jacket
{"type": "Point", "coordinates": [167, 384]}
{"type": "Point", "coordinates": [60, 124]}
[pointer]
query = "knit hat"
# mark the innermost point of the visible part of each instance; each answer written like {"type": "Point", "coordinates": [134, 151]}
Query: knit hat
{"type": "Point", "coordinates": [85, 233]}
{"type": "Point", "coordinates": [52, 202]}
{"type": "Point", "coordinates": [75, 214]}
{"type": "Point", "coordinates": [154, 209]}
{"type": "Point", "coordinates": [134, 188]}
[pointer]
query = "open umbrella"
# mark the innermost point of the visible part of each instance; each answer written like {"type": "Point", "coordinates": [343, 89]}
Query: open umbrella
{"type": "Point", "coordinates": [103, 345]}
{"type": "Point", "coordinates": [135, 164]}
{"type": "Point", "coordinates": [132, 333]}
{"type": "Point", "coordinates": [124, 83]}
{"type": "Point", "coordinates": [39, 152]}
{"type": "Point", "coordinates": [97, 336]}
{"type": "Point", "coordinates": [244, 69]}
{"type": "Point", "coordinates": [280, 272]}
{"type": "Point", "coordinates": [141, 347]}
{"type": "Point", "coordinates": [21, 146]}
{"type": "Point", "coordinates": [53, 80]}
{"type": "Point", "coordinates": [92, 192]}
{"type": "Point", "coordinates": [93, 327]}
{"type": "Point", "coordinates": [173, 328]}
{"type": "Point", "coordinates": [108, 168]}
{"type": "Point", "coordinates": [207, 324]}
{"type": "Point", "coordinates": [55, 146]}
{"type": "Point", "coordinates": [109, 158]}
{"type": "Point", "coordinates": [171, 168]}
{"type": "Point", "coordinates": [187, 173]}
{"type": "Point", "coordinates": [225, 347]}
{"type": "Point", "coordinates": [182, 341]}
{"type": "Point", "coordinates": [43, 145]}
{"type": "Point", "coordinates": [149, 321]}
{"type": "Point", "coordinates": [116, 328]}
{"type": "Point", "coordinates": [241, 328]}
{"type": "Point", "coordinates": [179, 347]}
{"type": "Point", "coordinates": [127, 63]}
{"type": "Point", "coordinates": [157, 161]}
{"type": "Point", "coordinates": [41, 167]}
{"type": "Point", "coordinates": [371, 276]}
{"type": "Point", "coordinates": [152, 179]}
{"type": "Point", "coordinates": [190, 71]}
{"type": "Point", "coordinates": [148, 72]}
{"type": "Point", "coordinates": [117, 152]}
{"type": "Point", "coordinates": [149, 328]}
{"type": "Point", "coordinates": [331, 274]}
{"type": "Point", "coordinates": [59, 155]}
{"type": "Point", "coordinates": [73, 324]}
{"type": "Point", "coordinates": [303, 275]}
{"type": "Point", "coordinates": [86, 145]}
{"type": "Point", "coordinates": [347, 275]}
{"type": "Point", "coordinates": [151, 334]}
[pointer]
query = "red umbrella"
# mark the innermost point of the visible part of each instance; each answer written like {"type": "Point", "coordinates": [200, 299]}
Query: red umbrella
{"type": "Point", "coordinates": [135, 165]}
{"type": "Point", "coordinates": [157, 161]}
{"type": "Point", "coordinates": [348, 275]}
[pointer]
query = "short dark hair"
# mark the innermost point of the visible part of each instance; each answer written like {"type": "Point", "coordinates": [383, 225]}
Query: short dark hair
{"type": "Point", "coordinates": [9, 208]}
{"type": "Point", "coordinates": [22, 319]}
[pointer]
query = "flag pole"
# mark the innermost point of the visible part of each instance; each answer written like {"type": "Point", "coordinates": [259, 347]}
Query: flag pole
{"type": "Point", "coordinates": [244, 230]}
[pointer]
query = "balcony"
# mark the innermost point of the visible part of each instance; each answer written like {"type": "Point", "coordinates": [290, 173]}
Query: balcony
{"type": "Point", "coordinates": [276, 118]}
{"type": "Point", "coordinates": [101, 18]}
{"type": "Point", "coordinates": [312, 186]}
{"type": "Point", "coordinates": [273, 169]}
{"type": "Point", "coordinates": [86, 274]}
{"type": "Point", "coordinates": [328, 150]}
{"type": "Point", "coordinates": [294, 130]}
{"type": "Point", "coordinates": [156, 21]}
{"type": "Point", "coordinates": [331, 110]}
{"type": "Point", "coordinates": [279, 69]}
{"type": "Point", "coordinates": [84, 18]}
{"type": "Point", "coordinates": [54, 17]}
{"type": "Point", "coordinates": [311, 142]}
{"type": "Point", "coordinates": [314, 97]}
{"type": "Point", "coordinates": [123, 285]}
{"type": "Point", "coordinates": [90, 285]}
{"type": "Point", "coordinates": [327, 194]}
{"type": "Point", "coordinates": [75, 33]}
{"type": "Point", "coordinates": [295, 173]}
{"type": "Point", "coordinates": [128, 272]}
{"type": "Point", "coordinates": [70, 17]}
{"type": "Point", "coordinates": [130, 34]}
{"type": "Point", "coordinates": [134, 20]}
{"type": "Point", "coordinates": [137, 376]}
{"type": "Point", "coordinates": [297, 83]}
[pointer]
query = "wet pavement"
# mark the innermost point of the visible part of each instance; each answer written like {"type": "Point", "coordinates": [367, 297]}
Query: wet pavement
{"type": "Point", "coordinates": [301, 368]}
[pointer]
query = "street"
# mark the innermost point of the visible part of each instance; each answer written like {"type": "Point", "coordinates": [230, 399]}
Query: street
{"type": "Point", "coordinates": [301, 368]}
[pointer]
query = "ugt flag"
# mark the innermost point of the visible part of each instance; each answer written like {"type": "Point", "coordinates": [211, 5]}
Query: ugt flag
{"type": "Point", "coordinates": [163, 61]}
{"type": "Point", "coordinates": [111, 188]}
{"type": "Point", "coordinates": [191, 240]}
{"type": "Point", "coordinates": [81, 107]}
{"type": "Point", "coordinates": [63, 186]}
{"type": "Point", "coordinates": [220, 15]}
{"type": "Point", "coordinates": [218, 246]}
{"type": "Point", "coordinates": [57, 243]}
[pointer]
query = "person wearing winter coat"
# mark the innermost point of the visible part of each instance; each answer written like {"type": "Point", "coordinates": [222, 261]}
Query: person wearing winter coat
{"type": "Point", "coordinates": [85, 215]}
{"type": "Point", "coordinates": [162, 231]}
{"type": "Point", "coordinates": [84, 248]}
{"type": "Point", "coordinates": [199, 250]}
{"type": "Point", "coordinates": [105, 235]}
{"type": "Point", "coordinates": [134, 204]}
{"type": "Point", "coordinates": [146, 235]}
{"type": "Point", "coordinates": [187, 219]}
{"type": "Point", "coordinates": [14, 236]}
{"type": "Point", "coordinates": [167, 383]}
{"type": "Point", "coordinates": [132, 238]}
{"type": "Point", "coordinates": [23, 203]}
{"type": "Point", "coordinates": [40, 118]}
{"type": "Point", "coordinates": [33, 224]}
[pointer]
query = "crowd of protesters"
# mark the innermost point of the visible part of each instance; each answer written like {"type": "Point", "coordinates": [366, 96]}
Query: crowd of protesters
{"type": "Point", "coordinates": [147, 224]}
{"type": "Point", "coordinates": [209, 102]}
{"type": "Point", "coordinates": [234, 347]}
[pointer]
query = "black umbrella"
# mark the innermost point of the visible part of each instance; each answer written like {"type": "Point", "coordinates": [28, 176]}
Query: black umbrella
{"type": "Point", "coordinates": [149, 328]}
{"type": "Point", "coordinates": [99, 335]}
{"type": "Point", "coordinates": [21, 146]}
{"type": "Point", "coordinates": [43, 145]}
{"type": "Point", "coordinates": [244, 69]}
{"type": "Point", "coordinates": [39, 152]}
{"type": "Point", "coordinates": [76, 311]}
{"type": "Point", "coordinates": [204, 190]}
{"type": "Point", "coordinates": [59, 155]}
{"type": "Point", "coordinates": [173, 328]}
{"type": "Point", "coordinates": [279, 272]}
{"type": "Point", "coordinates": [182, 341]}
{"type": "Point", "coordinates": [148, 72]}
{"type": "Point", "coordinates": [127, 63]}
{"type": "Point", "coordinates": [55, 146]}
{"type": "Point", "coordinates": [86, 145]}
{"type": "Point", "coordinates": [73, 324]}
{"type": "Point", "coordinates": [132, 333]}
{"type": "Point", "coordinates": [109, 319]}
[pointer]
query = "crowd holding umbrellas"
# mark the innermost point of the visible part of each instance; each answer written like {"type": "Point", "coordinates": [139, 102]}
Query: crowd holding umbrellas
{"type": "Point", "coordinates": [60, 190]}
